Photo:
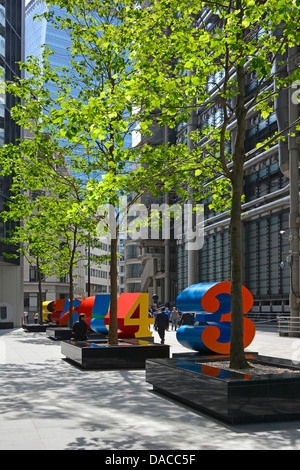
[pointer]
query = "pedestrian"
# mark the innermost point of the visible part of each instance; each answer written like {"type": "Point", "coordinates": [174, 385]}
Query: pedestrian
{"type": "Point", "coordinates": [168, 312]}
{"type": "Point", "coordinates": [187, 318]}
{"type": "Point", "coordinates": [161, 324]}
{"type": "Point", "coordinates": [80, 328]}
{"type": "Point", "coordinates": [26, 317]}
{"type": "Point", "coordinates": [174, 318]}
{"type": "Point", "coordinates": [35, 317]}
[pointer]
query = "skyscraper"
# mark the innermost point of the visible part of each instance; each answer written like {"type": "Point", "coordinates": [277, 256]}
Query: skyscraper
{"type": "Point", "coordinates": [42, 32]}
{"type": "Point", "coordinates": [91, 280]}
{"type": "Point", "coordinates": [11, 51]}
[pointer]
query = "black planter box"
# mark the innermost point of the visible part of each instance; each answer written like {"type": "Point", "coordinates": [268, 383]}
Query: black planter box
{"type": "Point", "coordinates": [6, 325]}
{"type": "Point", "coordinates": [64, 333]}
{"type": "Point", "coordinates": [59, 333]}
{"type": "Point", "coordinates": [34, 327]}
{"type": "Point", "coordinates": [231, 397]}
{"type": "Point", "coordinates": [128, 354]}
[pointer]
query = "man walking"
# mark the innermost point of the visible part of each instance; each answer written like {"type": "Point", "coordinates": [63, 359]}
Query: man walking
{"type": "Point", "coordinates": [161, 324]}
{"type": "Point", "coordinates": [174, 318]}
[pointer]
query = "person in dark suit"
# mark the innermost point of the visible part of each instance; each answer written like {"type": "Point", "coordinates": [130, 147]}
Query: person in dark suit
{"type": "Point", "coordinates": [79, 332]}
{"type": "Point", "coordinates": [161, 324]}
{"type": "Point", "coordinates": [187, 318]}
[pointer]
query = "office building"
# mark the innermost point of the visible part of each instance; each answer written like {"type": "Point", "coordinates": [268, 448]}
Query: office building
{"type": "Point", "coordinates": [11, 51]}
{"type": "Point", "coordinates": [268, 185]}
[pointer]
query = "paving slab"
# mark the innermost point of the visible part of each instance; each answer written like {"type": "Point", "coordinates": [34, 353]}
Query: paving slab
{"type": "Point", "coordinates": [46, 403]}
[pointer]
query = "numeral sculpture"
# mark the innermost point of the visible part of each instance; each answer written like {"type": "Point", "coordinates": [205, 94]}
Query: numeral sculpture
{"type": "Point", "coordinates": [132, 313]}
{"type": "Point", "coordinates": [211, 304]}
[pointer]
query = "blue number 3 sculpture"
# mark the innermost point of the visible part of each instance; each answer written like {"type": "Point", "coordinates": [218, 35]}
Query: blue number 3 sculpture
{"type": "Point", "coordinates": [211, 302]}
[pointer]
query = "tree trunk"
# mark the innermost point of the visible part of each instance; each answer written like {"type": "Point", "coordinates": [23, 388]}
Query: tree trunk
{"type": "Point", "coordinates": [71, 267]}
{"type": "Point", "coordinates": [113, 319]}
{"type": "Point", "coordinates": [237, 355]}
{"type": "Point", "coordinates": [40, 302]}
{"type": "Point", "coordinates": [71, 293]}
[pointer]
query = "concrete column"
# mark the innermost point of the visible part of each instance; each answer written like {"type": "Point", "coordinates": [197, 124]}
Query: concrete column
{"type": "Point", "coordinates": [167, 242]}
{"type": "Point", "coordinates": [192, 255]}
{"type": "Point", "coordinates": [11, 294]}
{"type": "Point", "coordinates": [294, 160]}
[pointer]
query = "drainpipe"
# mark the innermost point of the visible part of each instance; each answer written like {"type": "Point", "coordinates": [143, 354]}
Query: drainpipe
{"type": "Point", "coordinates": [167, 241]}
{"type": "Point", "coordinates": [281, 106]}
{"type": "Point", "coordinates": [294, 221]}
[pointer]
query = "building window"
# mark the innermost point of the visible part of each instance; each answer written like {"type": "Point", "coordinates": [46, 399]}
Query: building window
{"type": "Point", "coordinates": [3, 313]}
{"type": "Point", "coordinates": [131, 251]}
{"type": "Point", "coordinates": [134, 287]}
{"type": "Point", "coordinates": [31, 300]}
{"type": "Point", "coordinates": [133, 270]}
{"type": "Point", "coordinates": [34, 276]}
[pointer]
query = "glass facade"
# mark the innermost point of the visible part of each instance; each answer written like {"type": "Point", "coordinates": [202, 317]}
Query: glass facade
{"type": "Point", "coordinates": [40, 33]}
{"type": "Point", "coordinates": [263, 179]}
{"type": "Point", "coordinates": [264, 248]}
{"type": "Point", "coordinates": [35, 30]}
{"type": "Point", "coordinates": [266, 207]}
{"type": "Point", "coordinates": [214, 258]}
{"type": "Point", "coordinates": [182, 268]}
{"type": "Point", "coordinates": [11, 12]}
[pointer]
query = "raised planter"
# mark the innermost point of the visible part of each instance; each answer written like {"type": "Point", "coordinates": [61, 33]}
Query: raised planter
{"type": "Point", "coordinates": [6, 325]}
{"type": "Point", "coordinates": [60, 333]}
{"type": "Point", "coordinates": [63, 333]}
{"type": "Point", "coordinates": [128, 354]}
{"type": "Point", "coordinates": [34, 327]}
{"type": "Point", "coordinates": [232, 397]}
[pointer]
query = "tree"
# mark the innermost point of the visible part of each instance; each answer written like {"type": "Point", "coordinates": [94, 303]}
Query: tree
{"type": "Point", "coordinates": [99, 117]}
{"type": "Point", "coordinates": [47, 201]}
{"type": "Point", "coordinates": [88, 111]}
{"type": "Point", "coordinates": [195, 56]}
{"type": "Point", "coordinates": [118, 85]}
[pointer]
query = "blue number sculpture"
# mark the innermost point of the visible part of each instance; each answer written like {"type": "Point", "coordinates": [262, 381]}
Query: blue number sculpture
{"type": "Point", "coordinates": [211, 304]}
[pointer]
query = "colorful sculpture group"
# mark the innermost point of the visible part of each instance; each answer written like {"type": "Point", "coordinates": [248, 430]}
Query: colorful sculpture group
{"type": "Point", "coordinates": [211, 303]}
{"type": "Point", "coordinates": [132, 312]}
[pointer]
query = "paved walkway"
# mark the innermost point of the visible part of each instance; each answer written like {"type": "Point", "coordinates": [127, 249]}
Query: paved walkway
{"type": "Point", "coordinates": [48, 404]}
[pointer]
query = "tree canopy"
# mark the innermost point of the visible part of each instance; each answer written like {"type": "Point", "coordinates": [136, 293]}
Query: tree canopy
{"type": "Point", "coordinates": [147, 66]}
